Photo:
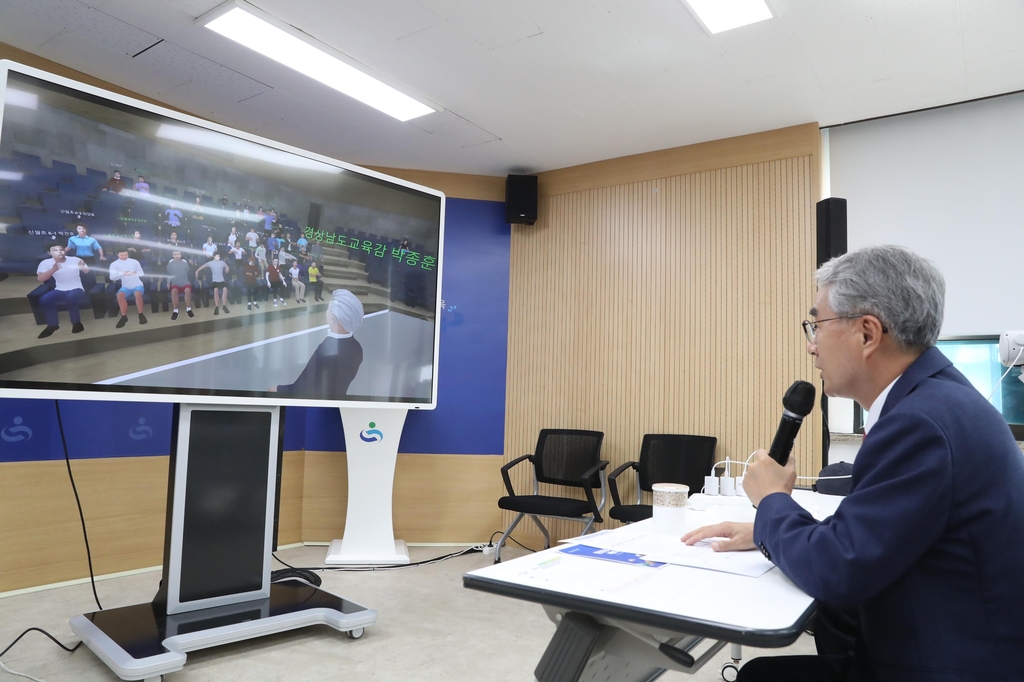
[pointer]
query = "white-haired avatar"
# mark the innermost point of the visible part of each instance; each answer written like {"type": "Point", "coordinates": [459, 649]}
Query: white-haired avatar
{"type": "Point", "coordinates": [336, 360]}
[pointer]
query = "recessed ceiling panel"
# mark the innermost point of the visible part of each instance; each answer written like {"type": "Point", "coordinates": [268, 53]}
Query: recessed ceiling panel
{"type": "Point", "coordinates": [838, 39]}
{"type": "Point", "coordinates": [452, 128]}
{"type": "Point", "coordinates": [26, 32]}
{"type": "Point", "coordinates": [991, 27]}
{"type": "Point", "coordinates": [194, 8]}
{"type": "Point", "coordinates": [580, 26]}
{"type": "Point", "coordinates": [996, 74]}
{"type": "Point", "coordinates": [764, 49]}
{"type": "Point", "coordinates": [562, 76]}
{"type": "Point", "coordinates": [202, 72]}
{"type": "Point", "coordinates": [79, 18]}
{"type": "Point", "coordinates": [489, 22]}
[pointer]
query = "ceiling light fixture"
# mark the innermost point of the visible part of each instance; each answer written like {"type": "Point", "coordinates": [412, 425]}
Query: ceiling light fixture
{"type": "Point", "coordinates": [286, 45]}
{"type": "Point", "coordinates": [723, 15]}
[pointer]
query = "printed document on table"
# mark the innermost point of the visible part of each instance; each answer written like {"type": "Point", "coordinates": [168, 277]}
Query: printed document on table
{"type": "Point", "coordinates": [700, 555]}
{"type": "Point", "coordinates": [640, 539]}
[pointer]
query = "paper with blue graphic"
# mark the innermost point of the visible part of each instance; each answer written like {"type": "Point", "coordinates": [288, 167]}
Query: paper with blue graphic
{"type": "Point", "coordinates": [610, 555]}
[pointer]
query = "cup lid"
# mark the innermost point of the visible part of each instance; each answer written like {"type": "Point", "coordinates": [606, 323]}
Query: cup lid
{"type": "Point", "coordinates": [671, 488]}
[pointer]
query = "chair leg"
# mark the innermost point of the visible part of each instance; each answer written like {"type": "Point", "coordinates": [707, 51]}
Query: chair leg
{"type": "Point", "coordinates": [547, 538]}
{"type": "Point", "coordinates": [508, 531]}
{"type": "Point", "coordinates": [590, 524]}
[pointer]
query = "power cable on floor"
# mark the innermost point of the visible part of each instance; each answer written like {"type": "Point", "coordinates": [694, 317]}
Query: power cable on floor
{"type": "Point", "coordinates": [3, 667]}
{"type": "Point", "coordinates": [389, 567]}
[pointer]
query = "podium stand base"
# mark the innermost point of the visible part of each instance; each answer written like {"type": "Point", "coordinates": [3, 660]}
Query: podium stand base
{"type": "Point", "coordinates": [338, 555]}
{"type": "Point", "coordinates": [141, 643]}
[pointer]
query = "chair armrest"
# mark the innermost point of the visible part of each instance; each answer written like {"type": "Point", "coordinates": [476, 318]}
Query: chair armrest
{"type": "Point", "coordinates": [586, 479]}
{"type": "Point", "coordinates": [613, 486]}
{"type": "Point", "coordinates": [505, 470]}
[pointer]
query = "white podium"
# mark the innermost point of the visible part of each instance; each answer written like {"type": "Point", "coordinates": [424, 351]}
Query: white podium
{"type": "Point", "coordinates": [371, 437]}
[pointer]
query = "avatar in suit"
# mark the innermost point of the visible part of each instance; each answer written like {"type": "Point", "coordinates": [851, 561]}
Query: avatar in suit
{"type": "Point", "coordinates": [929, 544]}
{"type": "Point", "coordinates": [336, 360]}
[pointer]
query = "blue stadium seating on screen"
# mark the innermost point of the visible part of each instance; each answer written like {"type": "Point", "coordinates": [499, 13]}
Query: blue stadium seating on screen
{"type": "Point", "coordinates": [22, 253]}
{"type": "Point", "coordinates": [27, 162]}
{"type": "Point", "coordinates": [66, 172]}
{"type": "Point", "coordinates": [94, 178]}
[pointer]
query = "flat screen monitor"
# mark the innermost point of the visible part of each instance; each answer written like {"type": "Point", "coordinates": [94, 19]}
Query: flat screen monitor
{"type": "Point", "coordinates": [977, 358]}
{"type": "Point", "coordinates": [150, 255]}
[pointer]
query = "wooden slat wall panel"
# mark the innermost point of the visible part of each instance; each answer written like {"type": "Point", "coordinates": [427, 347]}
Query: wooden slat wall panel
{"type": "Point", "coordinates": [437, 498]}
{"type": "Point", "coordinates": [124, 500]}
{"type": "Point", "coordinates": [669, 305]}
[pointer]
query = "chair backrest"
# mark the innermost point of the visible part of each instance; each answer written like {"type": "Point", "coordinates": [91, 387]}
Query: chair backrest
{"type": "Point", "coordinates": [564, 455]}
{"type": "Point", "coordinates": [676, 458]}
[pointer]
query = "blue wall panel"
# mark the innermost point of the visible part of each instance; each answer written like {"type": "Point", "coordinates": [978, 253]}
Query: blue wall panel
{"type": "Point", "coordinates": [104, 429]}
{"type": "Point", "coordinates": [294, 428]}
{"type": "Point", "coordinates": [28, 431]}
{"type": "Point", "coordinates": [470, 414]}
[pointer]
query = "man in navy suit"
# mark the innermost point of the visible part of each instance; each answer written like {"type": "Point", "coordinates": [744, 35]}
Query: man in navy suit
{"type": "Point", "coordinates": [929, 545]}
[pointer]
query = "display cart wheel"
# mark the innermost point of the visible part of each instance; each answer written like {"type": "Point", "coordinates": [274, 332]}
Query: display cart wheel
{"type": "Point", "coordinates": [730, 671]}
{"type": "Point", "coordinates": [358, 632]}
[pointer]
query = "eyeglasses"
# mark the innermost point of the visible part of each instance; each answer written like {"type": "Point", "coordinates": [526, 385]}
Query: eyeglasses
{"type": "Point", "coordinates": [811, 327]}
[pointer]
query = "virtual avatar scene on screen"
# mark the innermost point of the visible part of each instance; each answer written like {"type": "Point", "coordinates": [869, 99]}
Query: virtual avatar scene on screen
{"type": "Point", "coordinates": [139, 250]}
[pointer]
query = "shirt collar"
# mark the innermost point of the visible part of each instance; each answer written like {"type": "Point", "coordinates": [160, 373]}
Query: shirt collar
{"type": "Point", "coordinates": [875, 411]}
{"type": "Point", "coordinates": [334, 335]}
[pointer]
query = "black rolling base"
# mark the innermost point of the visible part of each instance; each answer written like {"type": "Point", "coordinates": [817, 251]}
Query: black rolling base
{"type": "Point", "coordinates": [141, 642]}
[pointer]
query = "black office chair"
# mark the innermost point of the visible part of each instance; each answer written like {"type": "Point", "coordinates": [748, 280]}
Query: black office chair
{"type": "Point", "coordinates": [566, 457]}
{"type": "Point", "coordinates": [664, 458]}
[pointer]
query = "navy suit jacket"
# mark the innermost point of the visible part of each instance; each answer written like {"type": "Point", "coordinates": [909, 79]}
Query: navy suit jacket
{"type": "Point", "coordinates": [929, 544]}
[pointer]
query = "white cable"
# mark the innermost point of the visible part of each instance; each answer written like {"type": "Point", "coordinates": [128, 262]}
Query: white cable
{"type": "Point", "coordinates": [17, 674]}
{"type": "Point", "coordinates": [824, 478]}
{"type": "Point", "coordinates": [1012, 365]}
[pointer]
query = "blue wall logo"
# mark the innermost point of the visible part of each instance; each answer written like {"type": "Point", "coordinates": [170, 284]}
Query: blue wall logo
{"type": "Point", "coordinates": [141, 431]}
{"type": "Point", "coordinates": [18, 433]}
{"type": "Point", "coordinates": [371, 435]}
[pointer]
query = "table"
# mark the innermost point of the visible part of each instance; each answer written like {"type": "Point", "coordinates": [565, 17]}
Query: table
{"type": "Point", "coordinates": [632, 623]}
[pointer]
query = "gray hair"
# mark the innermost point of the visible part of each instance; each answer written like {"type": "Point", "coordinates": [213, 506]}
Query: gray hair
{"type": "Point", "coordinates": [903, 290]}
{"type": "Point", "coordinates": [346, 309]}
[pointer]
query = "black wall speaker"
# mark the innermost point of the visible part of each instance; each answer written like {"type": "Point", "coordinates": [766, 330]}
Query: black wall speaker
{"type": "Point", "coordinates": [521, 199]}
{"type": "Point", "coordinates": [831, 228]}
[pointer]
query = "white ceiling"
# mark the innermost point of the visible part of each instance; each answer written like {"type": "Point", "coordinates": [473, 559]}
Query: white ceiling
{"type": "Point", "coordinates": [532, 85]}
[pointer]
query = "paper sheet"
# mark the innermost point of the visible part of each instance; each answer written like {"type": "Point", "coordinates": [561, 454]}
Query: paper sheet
{"type": "Point", "coordinates": [640, 539]}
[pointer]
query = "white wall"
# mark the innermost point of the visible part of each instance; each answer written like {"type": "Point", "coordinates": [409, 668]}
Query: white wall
{"type": "Point", "coordinates": [948, 183]}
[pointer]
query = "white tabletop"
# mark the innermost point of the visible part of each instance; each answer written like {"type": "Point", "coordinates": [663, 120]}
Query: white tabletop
{"type": "Point", "coordinates": [697, 600]}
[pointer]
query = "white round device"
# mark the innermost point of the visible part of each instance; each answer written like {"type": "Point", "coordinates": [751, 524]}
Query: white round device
{"type": "Point", "coordinates": [1011, 348]}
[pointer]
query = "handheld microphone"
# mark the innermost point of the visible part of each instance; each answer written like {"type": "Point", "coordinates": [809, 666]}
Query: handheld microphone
{"type": "Point", "coordinates": [797, 404]}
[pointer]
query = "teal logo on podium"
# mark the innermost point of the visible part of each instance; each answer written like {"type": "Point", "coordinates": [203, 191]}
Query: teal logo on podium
{"type": "Point", "coordinates": [371, 435]}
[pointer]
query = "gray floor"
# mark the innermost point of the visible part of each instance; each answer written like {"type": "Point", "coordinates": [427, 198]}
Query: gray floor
{"type": "Point", "coordinates": [397, 354]}
{"type": "Point", "coordinates": [429, 628]}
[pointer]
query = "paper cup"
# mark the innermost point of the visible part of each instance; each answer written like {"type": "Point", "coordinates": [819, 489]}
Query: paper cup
{"type": "Point", "coordinates": [670, 502]}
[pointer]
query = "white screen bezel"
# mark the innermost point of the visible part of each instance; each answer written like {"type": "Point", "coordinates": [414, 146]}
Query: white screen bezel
{"type": "Point", "coordinates": [184, 395]}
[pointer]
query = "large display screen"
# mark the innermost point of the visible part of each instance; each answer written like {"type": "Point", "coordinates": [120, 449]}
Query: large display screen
{"type": "Point", "coordinates": [149, 254]}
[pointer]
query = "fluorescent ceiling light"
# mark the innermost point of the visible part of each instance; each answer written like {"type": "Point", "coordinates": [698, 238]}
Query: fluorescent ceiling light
{"type": "Point", "coordinates": [13, 176]}
{"type": "Point", "coordinates": [287, 46]}
{"type": "Point", "coordinates": [20, 98]}
{"type": "Point", "coordinates": [208, 139]}
{"type": "Point", "coordinates": [723, 15]}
